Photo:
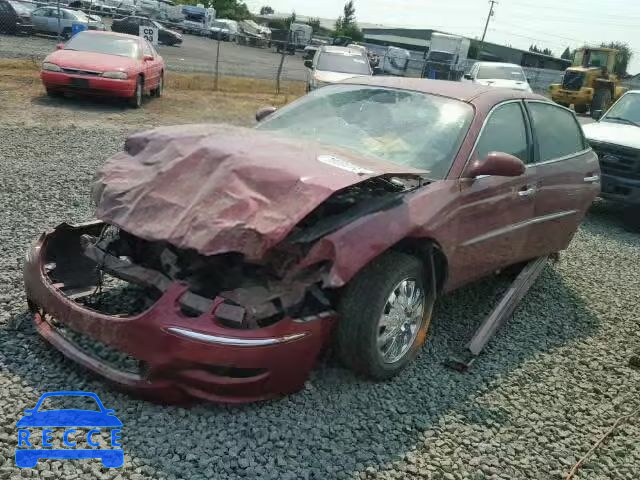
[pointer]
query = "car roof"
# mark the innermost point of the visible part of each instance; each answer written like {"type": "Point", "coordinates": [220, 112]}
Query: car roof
{"type": "Point", "coordinates": [465, 91]}
{"type": "Point", "coordinates": [112, 34]}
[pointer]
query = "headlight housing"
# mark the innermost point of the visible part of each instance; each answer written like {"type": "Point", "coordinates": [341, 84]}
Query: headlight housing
{"type": "Point", "coordinates": [115, 75]}
{"type": "Point", "coordinates": [51, 67]}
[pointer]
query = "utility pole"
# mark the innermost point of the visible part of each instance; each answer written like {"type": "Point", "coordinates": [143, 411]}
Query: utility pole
{"type": "Point", "coordinates": [486, 25]}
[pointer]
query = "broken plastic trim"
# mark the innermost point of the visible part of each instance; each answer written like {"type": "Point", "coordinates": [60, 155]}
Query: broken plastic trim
{"type": "Point", "coordinates": [234, 342]}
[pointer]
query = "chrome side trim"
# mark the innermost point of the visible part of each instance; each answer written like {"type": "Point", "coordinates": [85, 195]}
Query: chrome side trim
{"type": "Point", "coordinates": [233, 342]}
{"type": "Point", "coordinates": [516, 226]}
{"type": "Point", "coordinates": [561, 159]}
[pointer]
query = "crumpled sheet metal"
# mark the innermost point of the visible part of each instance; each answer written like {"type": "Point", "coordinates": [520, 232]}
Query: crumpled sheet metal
{"type": "Point", "coordinates": [219, 189]}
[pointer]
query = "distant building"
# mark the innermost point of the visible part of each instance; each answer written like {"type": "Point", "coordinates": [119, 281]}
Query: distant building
{"type": "Point", "coordinates": [418, 40]}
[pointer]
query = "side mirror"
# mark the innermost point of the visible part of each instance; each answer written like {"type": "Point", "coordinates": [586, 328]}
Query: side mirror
{"type": "Point", "coordinates": [148, 58]}
{"type": "Point", "coordinates": [264, 112]}
{"type": "Point", "coordinates": [308, 63]}
{"type": "Point", "coordinates": [468, 76]}
{"type": "Point", "coordinates": [597, 114]}
{"type": "Point", "coordinates": [60, 46]}
{"type": "Point", "coordinates": [499, 164]}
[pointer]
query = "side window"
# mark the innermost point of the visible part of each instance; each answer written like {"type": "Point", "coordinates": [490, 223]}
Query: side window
{"type": "Point", "coordinates": [68, 16]}
{"type": "Point", "coordinates": [505, 131]}
{"type": "Point", "coordinates": [556, 130]}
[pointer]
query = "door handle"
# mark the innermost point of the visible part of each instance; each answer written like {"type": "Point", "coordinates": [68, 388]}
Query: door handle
{"type": "Point", "coordinates": [592, 179]}
{"type": "Point", "coordinates": [527, 192]}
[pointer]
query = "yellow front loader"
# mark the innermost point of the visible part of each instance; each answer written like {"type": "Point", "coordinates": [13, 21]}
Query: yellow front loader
{"type": "Point", "coordinates": [589, 84]}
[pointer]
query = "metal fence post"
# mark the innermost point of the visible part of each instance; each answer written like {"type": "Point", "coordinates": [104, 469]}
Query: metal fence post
{"type": "Point", "coordinates": [217, 73]}
{"type": "Point", "coordinates": [59, 20]}
{"type": "Point", "coordinates": [280, 67]}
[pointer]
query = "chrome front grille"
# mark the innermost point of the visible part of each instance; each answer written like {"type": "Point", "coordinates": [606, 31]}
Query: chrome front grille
{"type": "Point", "coordinates": [75, 71]}
{"type": "Point", "coordinates": [618, 161]}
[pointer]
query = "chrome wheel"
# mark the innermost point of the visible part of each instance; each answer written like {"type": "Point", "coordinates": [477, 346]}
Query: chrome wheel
{"type": "Point", "coordinates": [401, 319]}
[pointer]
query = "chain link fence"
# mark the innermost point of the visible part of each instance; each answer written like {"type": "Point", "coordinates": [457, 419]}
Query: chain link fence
{"type": "Point", "coordinates": [31, 29]}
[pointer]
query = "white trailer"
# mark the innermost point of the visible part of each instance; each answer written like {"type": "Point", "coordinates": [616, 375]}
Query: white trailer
{"type": "Point", "coordinates": [447, 56]}
{"type": "Point", "coordinates": [301, 34]}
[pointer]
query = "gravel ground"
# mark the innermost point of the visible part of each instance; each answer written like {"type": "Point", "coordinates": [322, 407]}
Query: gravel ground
{"type": "Point", "coordinates": [549, 385]}
{"type": "Point", "coordinates": [196, 54]}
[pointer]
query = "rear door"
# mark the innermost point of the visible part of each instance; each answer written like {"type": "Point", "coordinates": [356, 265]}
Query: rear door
{"type": "Point", "coordinates": [494, 212]}
{"type": "Point", "coordinates": [151, 68]}
{"type": "Point", "coordinates": [39, 19]}
{"type": "Point", "coordinates": [568, 176]}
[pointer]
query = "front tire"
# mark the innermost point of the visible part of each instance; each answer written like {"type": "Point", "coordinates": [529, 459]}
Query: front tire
{"type": "Point", "coordinates": [601, 100]}
{"type": "Point", "coordinates": [579, 108]}
{"type": "Point", "coordinates": [136, 100]}
{"type": "Point", "coordinates": [385, 313]}
{"type": "Point", "coordinates": [157, 92]}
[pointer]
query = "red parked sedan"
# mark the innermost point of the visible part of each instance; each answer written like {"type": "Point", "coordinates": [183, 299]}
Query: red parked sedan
{"type": "Point", "coordinates": [353, 208]}
{"type": "Point", "coordinates": [105, 63]}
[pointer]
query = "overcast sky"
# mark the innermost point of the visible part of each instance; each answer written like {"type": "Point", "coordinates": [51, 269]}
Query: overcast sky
{"type": "Point", "coordinates": [519, 23]}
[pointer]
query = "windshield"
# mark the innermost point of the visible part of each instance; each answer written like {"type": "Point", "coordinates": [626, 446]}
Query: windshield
{"type": "Point", "coordinates": [627, 108]}
{"type": "Point", "coordinates": [109, 44]}
{"type": "Point", "coordinates": [338, 62]}
{"type": "Point", "coordinates": [79, 15]}
{"type": "Point", "coordinates": [500, 72]}
{"type": "Point", "coordinates": [20, 8]}
{"type": "Point", "coordinates": [443, 57]}
{"type": "Point", "coordinates": [402, 127]}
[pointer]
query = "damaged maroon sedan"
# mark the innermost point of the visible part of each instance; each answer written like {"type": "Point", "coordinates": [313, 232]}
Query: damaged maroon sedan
{"type": "Point", "coordinates": [340, 219]}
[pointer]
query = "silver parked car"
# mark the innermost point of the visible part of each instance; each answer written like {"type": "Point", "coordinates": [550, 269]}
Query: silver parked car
{"type": "Point", "coordinates": [45, 20]}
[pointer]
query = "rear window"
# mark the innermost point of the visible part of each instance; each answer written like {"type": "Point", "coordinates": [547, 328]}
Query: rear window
{"type": "Point", "coordinates": [557, 131]}
{"type": "Point", "coordinates": [500, 73]}
{"type": "Point", "coordinates": [337, 62]}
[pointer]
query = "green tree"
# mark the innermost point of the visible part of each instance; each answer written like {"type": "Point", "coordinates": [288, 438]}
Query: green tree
{"type": "Point", "coordinates": [231, 9]}
{"type": "Point", "coordinates": [346, 25]}
{"type": "Point", "coordinates": [349, 15]}
{"type": "Point", "coordinates": [266, 10]}
{"type": "Point", "coordinates": [567, 54]}
{"type": "Point", "coordinates": [315, 24]}
{"type": "Point", "coordinates": [622, 58]}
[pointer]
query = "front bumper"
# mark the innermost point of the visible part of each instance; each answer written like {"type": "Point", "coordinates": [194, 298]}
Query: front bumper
{"type": "Point", "coordinates": [180, 356]}
{"type": "Point", "coordinates": [92, 85]}
{"type": "Point", "coordinates": [620, 189]}
{"type": "Point", "coordinates": [580, 97]}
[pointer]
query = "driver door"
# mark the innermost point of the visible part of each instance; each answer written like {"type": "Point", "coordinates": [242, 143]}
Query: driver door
{"type": "Point", "coordinates": [493, 213]}
{"type": "Point", "coordinates": [39, 19]}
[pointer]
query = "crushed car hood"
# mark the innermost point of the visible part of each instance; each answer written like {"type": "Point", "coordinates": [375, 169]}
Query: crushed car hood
{"type": "Point", "coordinates": [219, 189]}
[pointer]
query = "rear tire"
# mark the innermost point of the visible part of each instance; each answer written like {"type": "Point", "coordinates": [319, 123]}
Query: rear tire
{"type": "Point", "coordinates": [136, 100]}
{"type": "Point", "coordinates": [631, 218]}
{"type": "Point", "coordinates": [66, 33]}
{"type": "Point", "coordinates": [601, 100]}
{"type": "Point", "coordinates": [157, 92]}
{"type": "Point", "coordinates": [52, 93]}
{"type": "Point", "coordinates": [376, 310]}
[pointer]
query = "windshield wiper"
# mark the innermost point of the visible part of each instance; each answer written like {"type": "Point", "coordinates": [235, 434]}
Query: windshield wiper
{"type": "Point", "coordinates": [623, 120]}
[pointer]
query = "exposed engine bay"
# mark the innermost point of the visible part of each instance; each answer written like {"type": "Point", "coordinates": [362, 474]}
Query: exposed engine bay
{"type": "Point", "coordinates": [244, 294]}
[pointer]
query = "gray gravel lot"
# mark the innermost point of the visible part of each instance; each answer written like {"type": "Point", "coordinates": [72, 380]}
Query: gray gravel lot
{"type": "Point", "coordinates": [548, 387]}
{"type": "Point", "coordinates": [196, 54]}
